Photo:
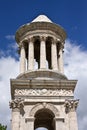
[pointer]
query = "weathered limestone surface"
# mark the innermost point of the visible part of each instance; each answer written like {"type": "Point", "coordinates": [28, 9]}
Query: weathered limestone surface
{"type": "Point", "coordinates": [43, 52]}
{"type": "Point", "coordinates": [52, 97]}
{"type": "Point", "coordinates": [60, 61]}
{"type": "Point", "coordinates": [42, 97]}
{"type": "Point", "coordinates": [31, 54]}
{"type": "Point", "coordinates": [54, 55]}
{"type": "Point", "coordinates": [22, 60]}
{"type": "Point", "coordinates": [16, 105]}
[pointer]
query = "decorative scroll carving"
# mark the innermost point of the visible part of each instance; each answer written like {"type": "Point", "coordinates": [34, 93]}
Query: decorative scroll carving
{"type": "Point", "coordinates": [43, 92]}
{"type": "Point", "coordinates": [71, 105]}
{"type": "Point", "coordinates": [16, 103]}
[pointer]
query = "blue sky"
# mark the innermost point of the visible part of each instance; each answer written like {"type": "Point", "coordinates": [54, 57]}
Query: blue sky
{"type": "Point", "coordinates": [72, 16]}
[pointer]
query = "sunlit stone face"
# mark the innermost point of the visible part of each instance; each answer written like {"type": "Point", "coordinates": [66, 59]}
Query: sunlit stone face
{"type": "Point", "coordinates": [42, 96]}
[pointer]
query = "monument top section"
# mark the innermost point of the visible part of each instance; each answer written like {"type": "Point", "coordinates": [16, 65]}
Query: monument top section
{"type": "Point", "coordinates": [40, 23]}
{"type": "Point", "coordinates": [41, 44]}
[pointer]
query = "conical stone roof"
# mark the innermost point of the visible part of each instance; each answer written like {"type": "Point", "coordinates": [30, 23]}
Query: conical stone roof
{"type": "Point", "coordinates": [42, 18]}
{"type": "Point", "coordinates": [42, 22]}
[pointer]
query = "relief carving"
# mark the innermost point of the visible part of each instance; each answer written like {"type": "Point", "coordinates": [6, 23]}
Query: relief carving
{"type": "Point", "coordinates": [43, 92]}
{"type": "Point", "coordinates": [71, 105]}
{"type": "Point", "coordinates": [16, 103]}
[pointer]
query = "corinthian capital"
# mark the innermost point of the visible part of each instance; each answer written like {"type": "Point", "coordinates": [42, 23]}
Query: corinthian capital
{"type": "Point", "coordinates": [16, 103]}
{"type": "Point", "coordinates": [43, 38]}
{"type": "Point", "coordinates": [71, 105]}
{"type": "Point", "coordinates": [31, 39]}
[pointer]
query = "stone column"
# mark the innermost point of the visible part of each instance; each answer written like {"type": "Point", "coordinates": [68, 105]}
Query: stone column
{"type": "Point", "coordinates": [70, 109]}
{"type": "Point", "coordinates": [59, 124]}
{"type": "Point", "coordinates": [54, 63]}
{"type": "Point", "coordinates": [43, 52]}
{"type": "Point", "coordinates": [16, 105]}
{"type": "Point", "coordinates": [29, 123]}
{"type": "Point", "coordinates": [22, 59]}
{"type": "Point", "coordinates": [60, 61]}
{"type": "Point", "coordinates": [15, 119]}
{"type": "Point", "coordinates": [73, 120]}
{"type": "Point", "coordinates": [31, 54]}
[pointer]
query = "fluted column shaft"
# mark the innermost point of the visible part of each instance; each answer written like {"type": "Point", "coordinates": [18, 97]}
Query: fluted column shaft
{"type": "Point", "coordinates": [43, 52]}
{"type": "Point", "coordinates": [31, 54]}
{"type": "Point", "coordinates": [60, 61]}
{"type": "Point", "coordinates": [54, 55]}
{"type": "Point", "coordinates": [22, 59]}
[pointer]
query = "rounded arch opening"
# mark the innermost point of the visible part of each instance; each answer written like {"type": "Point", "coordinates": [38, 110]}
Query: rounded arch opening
{"type": "Point", "coordinates": [44, 120]}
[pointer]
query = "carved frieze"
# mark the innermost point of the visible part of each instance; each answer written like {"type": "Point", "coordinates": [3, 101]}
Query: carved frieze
{"type": "Point", "coordinates": [71, 105]}
{"type": "Point", "coordinates": [16, 103]}
{"type": "Point", "coordinates": [43, 92]}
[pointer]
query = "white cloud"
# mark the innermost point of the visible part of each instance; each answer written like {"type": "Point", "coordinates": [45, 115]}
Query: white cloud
{"type": "Point", "coordinates": [75, 68]}
{"type": "Point", "coordinates": [10, 37]}
{"type": "Point", "coordinates": [11, 50]}
{"type": "Point", "coordinates": [1, 53]}
{"type": "Point", "coordinates": [8, 69]}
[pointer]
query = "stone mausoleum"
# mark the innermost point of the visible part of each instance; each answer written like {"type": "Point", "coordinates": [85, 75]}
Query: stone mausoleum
{"type": "Point", "coordinates": [42, 96]}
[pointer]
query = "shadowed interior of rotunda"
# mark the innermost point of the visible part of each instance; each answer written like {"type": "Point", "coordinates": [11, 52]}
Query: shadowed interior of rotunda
{"type": "Point", "coordinates": [36, 42]}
